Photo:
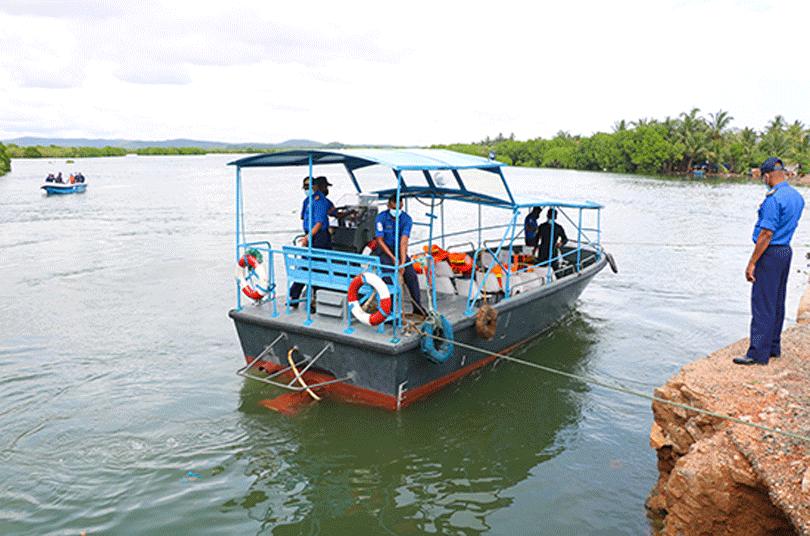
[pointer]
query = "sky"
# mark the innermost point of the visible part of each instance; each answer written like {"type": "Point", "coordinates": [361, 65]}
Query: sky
{"type": "Point", "coordinates": [400, 73]}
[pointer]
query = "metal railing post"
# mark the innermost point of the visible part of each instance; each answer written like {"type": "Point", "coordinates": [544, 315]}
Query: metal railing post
{"type": "Point", "coordinates": [238, 226]}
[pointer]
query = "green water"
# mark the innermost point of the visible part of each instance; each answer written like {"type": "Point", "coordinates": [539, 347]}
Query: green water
{"type": "Point", "coordinates": [117, 364]}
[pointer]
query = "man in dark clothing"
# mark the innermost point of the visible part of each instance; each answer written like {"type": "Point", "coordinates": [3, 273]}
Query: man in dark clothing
{"type": "Point", "coordinates": [545, 231]}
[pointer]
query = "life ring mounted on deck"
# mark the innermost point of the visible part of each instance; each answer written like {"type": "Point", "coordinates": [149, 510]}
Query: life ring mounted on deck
{"type": "Point", "coordinates": [384, 307]}
{"type": "Point", "coordinates": [253, 275]}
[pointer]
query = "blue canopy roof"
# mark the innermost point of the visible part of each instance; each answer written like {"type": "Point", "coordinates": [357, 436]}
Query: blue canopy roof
{"type": "Point", "coordinates": [409, 159]}
{"type": "Point", "coordinates": [398, 159]}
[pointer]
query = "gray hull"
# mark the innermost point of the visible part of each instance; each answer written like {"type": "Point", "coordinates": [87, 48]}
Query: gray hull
{"type": "Point", "coordinates": [390, 374]}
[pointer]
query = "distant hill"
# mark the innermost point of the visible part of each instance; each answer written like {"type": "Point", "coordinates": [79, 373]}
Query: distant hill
{"type": "Point", "coordinates": [29, 141]}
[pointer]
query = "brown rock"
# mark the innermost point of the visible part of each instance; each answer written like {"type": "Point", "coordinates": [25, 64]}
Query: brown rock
{"type": "Point", "coordinates": [717, 477]}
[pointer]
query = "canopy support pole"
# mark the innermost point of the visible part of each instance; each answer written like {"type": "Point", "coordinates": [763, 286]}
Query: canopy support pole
{"type": "Point", "coordinates": [311, 237]}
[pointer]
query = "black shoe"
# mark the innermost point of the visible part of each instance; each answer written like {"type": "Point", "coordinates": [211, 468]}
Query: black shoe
{"type": "Point", "coordinates": [745, 360]}
{"type": "Point", "coordinates": [776, 356]}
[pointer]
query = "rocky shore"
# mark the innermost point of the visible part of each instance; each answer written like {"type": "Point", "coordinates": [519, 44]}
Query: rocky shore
{"type": "Point", "coordinates": [717, 477]}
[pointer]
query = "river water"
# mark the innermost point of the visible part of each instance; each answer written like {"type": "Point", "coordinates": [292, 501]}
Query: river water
{"type": "Point", "coordinates": [120, 412]}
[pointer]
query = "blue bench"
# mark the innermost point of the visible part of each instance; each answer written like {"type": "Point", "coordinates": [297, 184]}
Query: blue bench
{"type": "Point", "coordinates": [330, 269]}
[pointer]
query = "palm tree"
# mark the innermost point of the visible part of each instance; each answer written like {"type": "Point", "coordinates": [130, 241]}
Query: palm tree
{"type": "Point", "coordinates": [777, 123]}
{"type": "Point", "coordinates": [619, 126]}
{"type": "Point", "coordinates": [693, 135]}
{"type": "Point", "coordinates": [718, 123]}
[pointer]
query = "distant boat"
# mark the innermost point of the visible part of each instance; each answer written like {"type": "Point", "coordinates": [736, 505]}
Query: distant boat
{"type": "Point", "coordinates": [55, 188]}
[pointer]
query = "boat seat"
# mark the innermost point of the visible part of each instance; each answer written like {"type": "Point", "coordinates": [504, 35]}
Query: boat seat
{"type": "Point", "coordinates": [328, 269]}
{"type": "Point", "coordinates": [443, 270]}
{"type": "Point", "coordinates": [491, 285]}
{"type": "Point", "coordinates": [444, 285]}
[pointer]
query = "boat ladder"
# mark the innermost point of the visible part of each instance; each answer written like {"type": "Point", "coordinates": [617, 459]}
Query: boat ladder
{"type": "Point", "coordinates": [294, 369]}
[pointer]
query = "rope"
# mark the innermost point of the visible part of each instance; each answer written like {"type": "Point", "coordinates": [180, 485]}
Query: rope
{"type": "Point", "coordinates": [627, 390]}
{"type": "Point", "coordinates": [686, 245]}
{"type": "Point", "coordinates": [298, 374]}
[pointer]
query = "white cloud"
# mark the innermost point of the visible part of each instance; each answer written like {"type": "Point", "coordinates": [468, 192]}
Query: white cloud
{"type": "Point", "coordinates": [369, 72]}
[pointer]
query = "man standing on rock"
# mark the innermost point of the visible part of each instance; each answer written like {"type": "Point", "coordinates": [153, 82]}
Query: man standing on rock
{"type": "Point", "coordinates": [769, 266]}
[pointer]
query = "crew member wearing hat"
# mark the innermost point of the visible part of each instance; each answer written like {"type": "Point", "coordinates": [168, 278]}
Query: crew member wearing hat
{"type": "Point", "coordinates": [769, 266]}
{"type": "Point", "coordinates": [316, 224]}
{"type": "Point", "coordinates": [387, 238]}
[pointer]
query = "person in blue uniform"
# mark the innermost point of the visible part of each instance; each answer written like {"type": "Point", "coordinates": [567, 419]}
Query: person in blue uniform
{"type": "Point", "coordinates": [316, 225]}
{"type": "Point", "coordinates": [386, 236]}
{"type": "Point", "coordinates": [769, 266]}
{"type": "Point", "coordinates": [530, 227]}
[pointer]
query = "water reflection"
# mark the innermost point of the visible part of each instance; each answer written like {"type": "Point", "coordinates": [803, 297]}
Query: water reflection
{"type": "Point", "coordinates": [444, 465]}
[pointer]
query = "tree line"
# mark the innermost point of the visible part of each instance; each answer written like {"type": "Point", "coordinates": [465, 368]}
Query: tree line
{"type": "Point", "coordinates": [651, 146]}
{"type": "Point", "coordinates": [56, 151]}
{"type": "Point", "coordinates": [5, 160]}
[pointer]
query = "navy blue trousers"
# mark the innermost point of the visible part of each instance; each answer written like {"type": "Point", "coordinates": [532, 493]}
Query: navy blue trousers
{"type": "Point", "coordinates": [322, 240]}
{"type": "Point", "coordinates": [768, 302]}
{"type": "Point", "coordinates": [409, 276]}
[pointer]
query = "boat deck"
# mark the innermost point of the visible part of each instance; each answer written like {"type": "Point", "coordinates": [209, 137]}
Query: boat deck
{"type": "Point", "coordinates": [452, 306]}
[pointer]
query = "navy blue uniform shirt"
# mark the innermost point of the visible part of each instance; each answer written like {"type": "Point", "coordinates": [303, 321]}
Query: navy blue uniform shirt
{"type": "Point", "coordinates": [320, 212]}
{"type": "Point", "coordinates": [530, 226]}
{"type": "Point", "coordinates": [780, 213]}
{"type": "Point", "coordinates": [385, 226]}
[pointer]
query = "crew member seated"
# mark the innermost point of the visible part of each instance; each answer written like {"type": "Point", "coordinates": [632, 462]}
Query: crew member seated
{"type": "Point", "coordinates": [50, 178]}
{"type": "Point", "coordinates": [59, 178]}
{"type": "Point", "coordinates": [545, 251]}
{"type": "Point", "coordinates": [386, 235]}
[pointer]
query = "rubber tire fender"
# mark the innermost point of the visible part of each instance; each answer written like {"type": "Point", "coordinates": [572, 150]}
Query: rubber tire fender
{"type": "Point", "coordinates": [445, 350]}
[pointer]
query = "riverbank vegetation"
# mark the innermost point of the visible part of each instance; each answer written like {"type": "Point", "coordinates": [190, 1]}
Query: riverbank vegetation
{"type": "Point", "coordinates": [5, 160]}
{"type": "Point", "coordinates": [651, 146]}
{"type": "Point", "coordinates": [56, 151]}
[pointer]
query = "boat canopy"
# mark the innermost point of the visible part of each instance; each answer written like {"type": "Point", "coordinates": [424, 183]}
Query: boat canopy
{"type": "Point", "coordinates": [399, 160]}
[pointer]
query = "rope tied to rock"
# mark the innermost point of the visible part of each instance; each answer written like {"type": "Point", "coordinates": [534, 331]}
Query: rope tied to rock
{"type": "Point", "coordinates": [626, 390]}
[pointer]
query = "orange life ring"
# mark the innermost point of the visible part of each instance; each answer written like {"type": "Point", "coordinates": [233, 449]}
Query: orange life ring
{"type": "Point", "coordinates": [353, 297]}
{"type": "Point", "coordinates": [253, 276]}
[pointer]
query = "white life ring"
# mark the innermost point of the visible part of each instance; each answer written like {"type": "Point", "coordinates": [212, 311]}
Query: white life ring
{"type": "Point", "coordinates": [384, 308]}
{"type": "Point", "coordinates": [253, 277]}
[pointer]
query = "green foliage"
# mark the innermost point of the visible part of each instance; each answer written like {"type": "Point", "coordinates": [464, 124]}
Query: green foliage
{"type": "Point", "coordinates": [5, 160]}
{"type": "Point", "coordinates": [651, 146]}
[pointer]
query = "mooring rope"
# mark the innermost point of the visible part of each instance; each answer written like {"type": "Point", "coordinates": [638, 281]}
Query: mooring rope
{"type": "Point", "coordinates": [624, 390]}
{"type": "Point", "coordinates": [688, 244]}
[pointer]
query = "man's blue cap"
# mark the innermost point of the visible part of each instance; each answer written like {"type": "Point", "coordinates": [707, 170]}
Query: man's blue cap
{"type": "Point", "coordinates": [771, 164]}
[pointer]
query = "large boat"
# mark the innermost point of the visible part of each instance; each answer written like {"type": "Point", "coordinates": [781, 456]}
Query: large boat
{"type": "Point", "coordinates": [479, 291]}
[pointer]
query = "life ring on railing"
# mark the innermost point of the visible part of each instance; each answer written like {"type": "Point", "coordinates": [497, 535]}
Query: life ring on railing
{"type": "Point", "coordinates": [253, 275]}
{"type": "Point", "coordinates": [437, 350]}
{"type": "Point", "coordinates": [460, 262]}
{"type": "Point", "coordinates": [370, 247]}
{"type": "Point", "coordinates": [384, 307]}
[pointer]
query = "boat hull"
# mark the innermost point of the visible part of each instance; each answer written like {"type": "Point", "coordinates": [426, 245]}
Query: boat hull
{"type": "Point", "coordinates": [393, 375]}
{"type": "Point", "coordinates": [64, 189]}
